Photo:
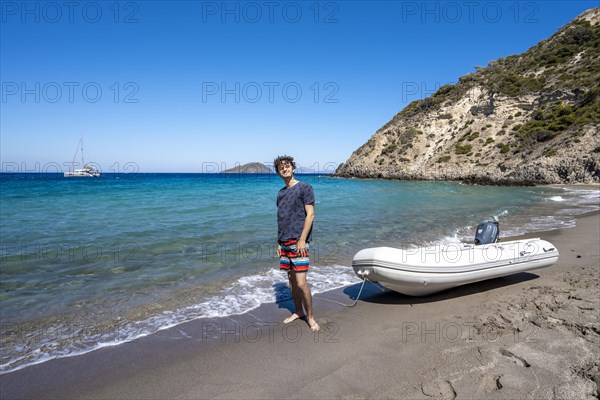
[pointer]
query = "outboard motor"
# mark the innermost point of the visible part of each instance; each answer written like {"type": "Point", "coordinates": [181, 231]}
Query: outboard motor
{"type": "Point", "coordinates": [487, 232]}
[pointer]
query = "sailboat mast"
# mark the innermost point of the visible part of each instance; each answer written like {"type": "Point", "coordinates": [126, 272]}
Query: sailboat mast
{"type": "Point", "coordinates": [82, 162]}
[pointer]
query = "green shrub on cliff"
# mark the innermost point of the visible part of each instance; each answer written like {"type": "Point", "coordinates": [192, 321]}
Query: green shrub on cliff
{"type": "Point", "coordinates": [473, 136]}
{"type": "Point", "coordinates": [555, 118]}
{"type": "Point", "coordinates": [389, 149]}
{"type": "Point", "coordinates": [460, 149]}
{"type": "Point", "coordinates": [512, 84]}
{"type": "Point", "coordinates": [504, 148]}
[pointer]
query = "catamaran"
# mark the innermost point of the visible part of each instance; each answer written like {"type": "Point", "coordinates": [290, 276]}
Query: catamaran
{"type": "Point", "coordinates": [87, 170]}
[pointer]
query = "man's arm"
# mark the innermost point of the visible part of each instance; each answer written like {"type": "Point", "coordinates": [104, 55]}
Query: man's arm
{"type": "Point", "coordinates": [308, 221]}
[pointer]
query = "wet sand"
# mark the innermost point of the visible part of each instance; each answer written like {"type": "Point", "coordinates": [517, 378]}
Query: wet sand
{"type": "Point", "coordinates": [529, 335]}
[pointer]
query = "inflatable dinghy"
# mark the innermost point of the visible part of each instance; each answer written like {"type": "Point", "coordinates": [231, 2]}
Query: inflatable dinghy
{"type": "Point", "coordinates": [421, 271]}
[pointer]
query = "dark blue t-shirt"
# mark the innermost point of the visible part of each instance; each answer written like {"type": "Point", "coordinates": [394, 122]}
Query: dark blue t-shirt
{"type": "Point", "coordinates": [290, 211]}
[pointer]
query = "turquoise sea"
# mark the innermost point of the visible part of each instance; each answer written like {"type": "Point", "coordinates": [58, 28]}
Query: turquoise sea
{"type": "Point", "coordinates": [87, 263]}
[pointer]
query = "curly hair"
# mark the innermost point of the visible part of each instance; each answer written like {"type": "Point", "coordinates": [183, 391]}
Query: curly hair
{"type": "Point", "coordinates": [283, 158]}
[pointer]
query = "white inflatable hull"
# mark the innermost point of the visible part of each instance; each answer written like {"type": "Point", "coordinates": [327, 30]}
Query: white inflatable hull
{"type": "Point", "coordinates": [421, 271]}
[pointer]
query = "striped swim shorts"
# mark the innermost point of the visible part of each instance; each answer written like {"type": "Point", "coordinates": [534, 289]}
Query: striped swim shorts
{"type": "Point", "coordinates": [288, 257]}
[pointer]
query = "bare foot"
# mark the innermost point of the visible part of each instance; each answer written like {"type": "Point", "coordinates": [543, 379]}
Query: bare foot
{"type": "Point", "coordinates": [292, 318]}
{"type": "Point", "coordinates": [313, 325]}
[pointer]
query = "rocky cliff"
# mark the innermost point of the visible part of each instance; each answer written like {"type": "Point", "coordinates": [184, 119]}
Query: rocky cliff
{"type": "Point", "coordinates": [524, 119]}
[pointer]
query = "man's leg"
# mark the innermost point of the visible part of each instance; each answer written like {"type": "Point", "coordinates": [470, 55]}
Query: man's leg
{"type": "Point", "coordinates": [300, 278]}
{"type": "Point", "coordinates": [296, 296]}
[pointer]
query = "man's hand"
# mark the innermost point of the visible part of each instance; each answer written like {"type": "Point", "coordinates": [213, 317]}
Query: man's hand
{"type": "Point", "coordinates": [301, 248]}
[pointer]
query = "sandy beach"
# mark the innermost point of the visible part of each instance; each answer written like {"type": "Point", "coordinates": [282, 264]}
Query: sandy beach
{"type": "Point", "coordinates": [526, 336]}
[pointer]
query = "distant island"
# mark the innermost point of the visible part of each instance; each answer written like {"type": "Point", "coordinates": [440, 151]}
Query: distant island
{"type": "Point", "coordinates": [250, 168]}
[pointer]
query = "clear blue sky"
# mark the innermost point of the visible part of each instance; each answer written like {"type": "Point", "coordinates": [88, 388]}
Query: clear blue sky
{"type": "Point", "coordinates": [195, 86]}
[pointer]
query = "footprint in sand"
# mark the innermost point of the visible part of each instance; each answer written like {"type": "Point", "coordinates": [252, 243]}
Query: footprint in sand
{"type": "Point", "coordinates": [489, 383]}
{"type": "Point", "coordinates": [516, 359]}
{"type": "Point", "coordinates": [439, 388]}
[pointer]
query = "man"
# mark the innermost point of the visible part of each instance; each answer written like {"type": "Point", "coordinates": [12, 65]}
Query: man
{"type": "Point", "coordinates": [295, 215]}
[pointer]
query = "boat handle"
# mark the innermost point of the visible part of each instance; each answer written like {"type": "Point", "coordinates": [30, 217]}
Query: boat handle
{"type": "Point", "coordinates": [525, 252]}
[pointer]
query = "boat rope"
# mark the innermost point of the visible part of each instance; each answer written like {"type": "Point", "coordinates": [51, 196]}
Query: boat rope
{"type": "Point", "coordinates": [357, 297]}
